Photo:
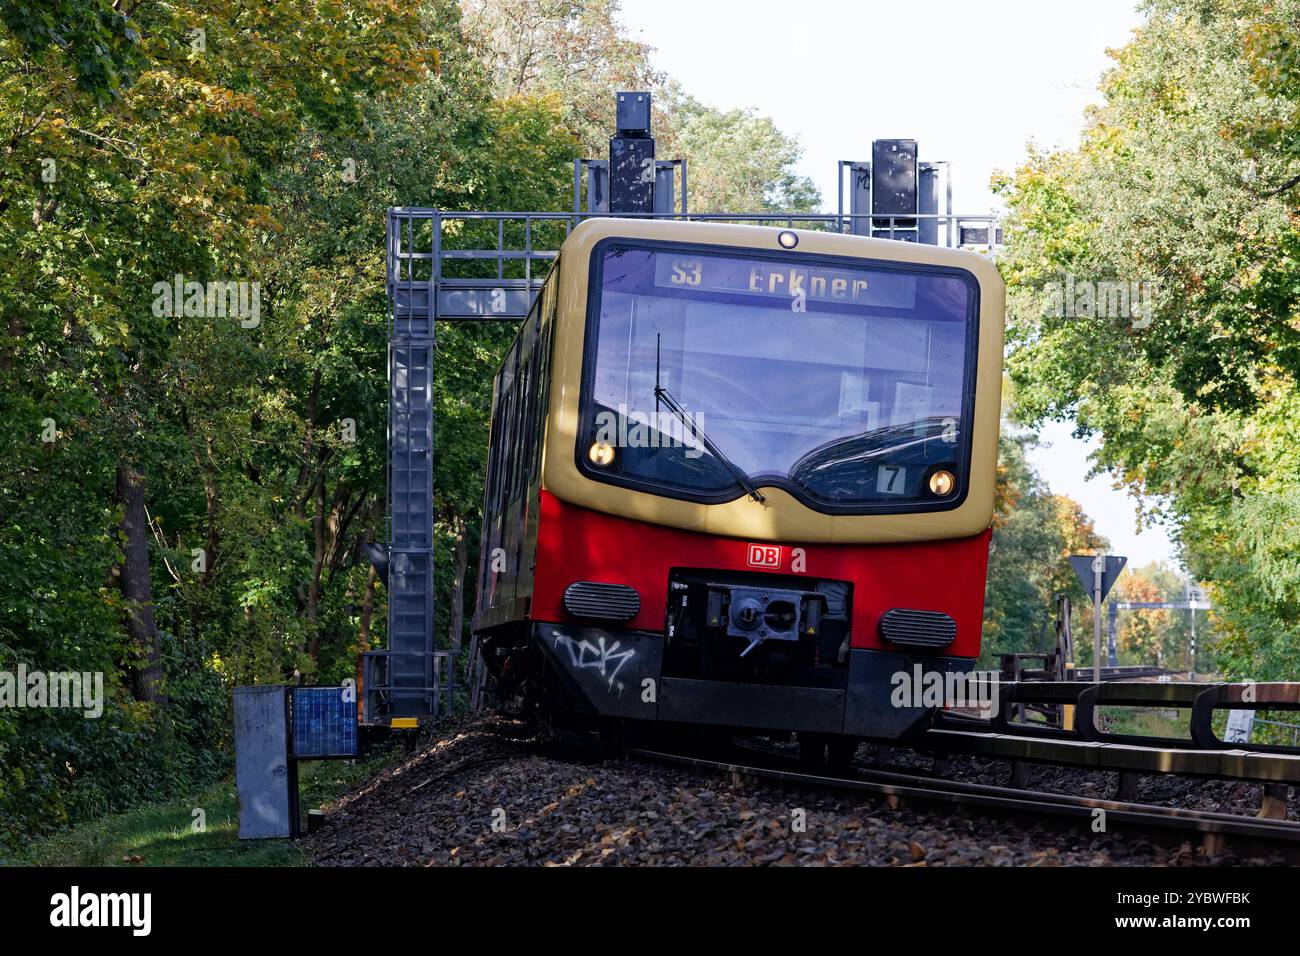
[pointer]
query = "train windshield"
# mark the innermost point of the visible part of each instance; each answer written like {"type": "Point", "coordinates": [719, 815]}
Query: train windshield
{"type": "Point", "coordinates": [848, 383]}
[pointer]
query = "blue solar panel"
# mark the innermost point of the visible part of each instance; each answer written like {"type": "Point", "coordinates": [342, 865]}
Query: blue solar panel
{"type": "Point", "coordinates": [324, 722]}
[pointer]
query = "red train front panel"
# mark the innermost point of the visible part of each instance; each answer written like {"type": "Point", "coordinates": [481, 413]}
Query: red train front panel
{"type": "Point", "coordinates": [646, 622]}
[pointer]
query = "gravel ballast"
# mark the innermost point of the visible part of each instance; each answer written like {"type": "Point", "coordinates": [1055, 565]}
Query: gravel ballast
{"type": "Point", "coordinates": [486, 793]}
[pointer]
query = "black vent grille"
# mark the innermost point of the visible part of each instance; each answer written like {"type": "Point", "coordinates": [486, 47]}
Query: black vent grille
{"type": "Point", "coordinates": [606, 602]}
{"type": "Point", "coordinates": [918, 628]}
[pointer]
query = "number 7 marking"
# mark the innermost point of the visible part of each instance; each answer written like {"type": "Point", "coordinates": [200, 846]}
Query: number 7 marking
{"type": "Point", "coordinates": [890, 479]}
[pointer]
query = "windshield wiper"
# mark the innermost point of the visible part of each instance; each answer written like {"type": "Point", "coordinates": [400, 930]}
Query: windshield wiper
{"type": "Point", "coordinates": [865, 445]}
{"type": "Point", "coordinates": [662, 394]}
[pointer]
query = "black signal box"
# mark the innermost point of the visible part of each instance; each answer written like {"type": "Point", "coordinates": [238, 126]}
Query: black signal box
{"type": "Point", "coordinates": [631, 175]}
{"type": "Point", "coordinates": [893, 181]}
{"type": "Point", "coordinates": [633, 114]}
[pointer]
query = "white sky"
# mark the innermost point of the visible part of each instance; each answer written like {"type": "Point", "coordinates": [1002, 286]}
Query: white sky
{"type": "Point", "coordinates": [973, 83]}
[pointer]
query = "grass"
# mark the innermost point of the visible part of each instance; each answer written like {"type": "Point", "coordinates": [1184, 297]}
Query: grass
{"type": "Point", "coordinates": [165, 835]}
{"type": "Point", "coordinates": [1147, 721]}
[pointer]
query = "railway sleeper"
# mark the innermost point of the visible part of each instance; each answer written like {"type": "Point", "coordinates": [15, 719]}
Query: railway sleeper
{"type": "Point", "coordinates": [1126, 787]}
{"type": "Point", "coordinates": [1273, 801]}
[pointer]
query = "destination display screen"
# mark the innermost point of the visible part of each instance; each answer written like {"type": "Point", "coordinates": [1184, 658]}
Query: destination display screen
{"type": "Point", "coordinates": [786, 281]}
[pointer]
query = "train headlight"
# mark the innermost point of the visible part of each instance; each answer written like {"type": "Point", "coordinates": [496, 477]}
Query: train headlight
{"type": "Point", "coordinates": [787, 239]}
{"type": "Point", "coordinates": [601, 454]}
{"type": "Point", "coordinates": [942, 483]}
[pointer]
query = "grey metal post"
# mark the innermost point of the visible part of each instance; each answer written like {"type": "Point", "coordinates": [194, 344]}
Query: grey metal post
{"type": "Point", "coordinates": [953, 237]}
{"type": "Point", "coordinates": [839, 203]}
{"type": "Point", "coordinates": [1098, 567]}
{"type": "Point", "coordinates": [1112, 655]}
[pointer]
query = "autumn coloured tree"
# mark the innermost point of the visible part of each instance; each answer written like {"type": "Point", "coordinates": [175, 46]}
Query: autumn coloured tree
{"type": "Point", "coordinates": [1034, 533]}
{"type": "Point", "coordinates": [1185, 180]}
{"type": "Point", "coordinates": [193, 334]}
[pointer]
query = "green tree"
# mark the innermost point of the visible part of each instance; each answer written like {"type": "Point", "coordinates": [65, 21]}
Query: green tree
{"type": "Point", "coordinates": [139, 142]}
{"type": "Point", "coordinates": [187, 496]}
{"type": "Point", "coordinates": [575, 48]}
{"type": "Point", "coordinates": [1182, 180]}
{"type": "Point", "coordinates": [739, 161]}
{"type": "Point", "coordinates": [1159, 637]}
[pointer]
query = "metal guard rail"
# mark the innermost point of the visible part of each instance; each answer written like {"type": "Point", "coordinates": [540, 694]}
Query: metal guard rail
{"type": "Point", "coordinates": [1202, 753]}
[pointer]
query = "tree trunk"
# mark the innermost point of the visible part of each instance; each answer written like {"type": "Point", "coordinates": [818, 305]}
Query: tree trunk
{"type": "Point", "coordinates": [367, 609]}
{"type": "Point", "coordinates": [137, 589]}
{"type": "Point", "coordinates": [208, 474]}
{"type": "Point", "coordinates": [458, 583]}
{"type": "Point", "coordinates": [15, 332]}
{"type": "Point", "coordinates": [317, 564]}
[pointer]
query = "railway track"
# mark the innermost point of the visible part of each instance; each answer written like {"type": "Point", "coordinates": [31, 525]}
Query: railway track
{"type": "Point", "coordinates": [513, 791]}
{"type": "Point", "coordinates": [1083, 747]}
{"type": "Point", "coordinates": [1216, 833]}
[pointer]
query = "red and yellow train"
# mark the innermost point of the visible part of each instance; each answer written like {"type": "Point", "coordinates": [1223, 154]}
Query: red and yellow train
{"type": "Point", "coordinates": [742, 477]}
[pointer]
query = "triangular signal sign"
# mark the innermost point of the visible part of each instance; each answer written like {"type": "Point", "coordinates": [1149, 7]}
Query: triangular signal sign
{"type": "Point", "coordinates": [1085, 566]}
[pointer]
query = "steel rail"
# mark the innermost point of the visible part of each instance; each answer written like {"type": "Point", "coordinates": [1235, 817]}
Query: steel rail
{"type": "Point", "coordinates": [1251, 766]}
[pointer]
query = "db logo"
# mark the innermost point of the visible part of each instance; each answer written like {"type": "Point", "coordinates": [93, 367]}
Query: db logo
{"type": "Point", "coordinates": [764, 556]}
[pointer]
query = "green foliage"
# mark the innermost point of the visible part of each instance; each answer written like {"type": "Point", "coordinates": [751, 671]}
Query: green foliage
{"type": "Point", "coordinates": [740, 162]}
{"type": "Point", "coordinates": [1186, 179]}
{"type": "Point", "coordinates": [574, 48]}
{"type": "Point", "coordinates": [264, 149]}
{"type": "Point", "coordinates": [127, 163]}
{"type": "Point", "coordinates": [97, 40]}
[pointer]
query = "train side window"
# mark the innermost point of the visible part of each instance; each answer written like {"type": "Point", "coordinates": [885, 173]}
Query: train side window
{"type": "Point", "coordinates": [526, 348]}
{"type": "Point", "coordinates": [520, 424]}
{"type": "Point", "coordinates": [526, 430]}
{"type": "Point", "coordinates": [539, 375]}
{"type": "Point", "coordinates": [494, 470]}
{"type": "Point", "coordinates": [534, 390]}
{"type": "Point", "coordinates": [494, 452]}
{"type": "Point", "coordinates": [542, 356]}
{"type": "Point", "coordinates": [489, 491]}
{"type": "Point", "coordinates": [508, 424]}
{"type": "Point", "coordinates": [527, 371]}
{"type": "Point", "coordinates": [550, 307]}
{"type": "Point", "coordinates": [508, 447]}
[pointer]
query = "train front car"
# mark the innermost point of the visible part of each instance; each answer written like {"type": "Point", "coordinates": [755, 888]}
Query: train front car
{"type": "Point", "coordinates": [744, 477]}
